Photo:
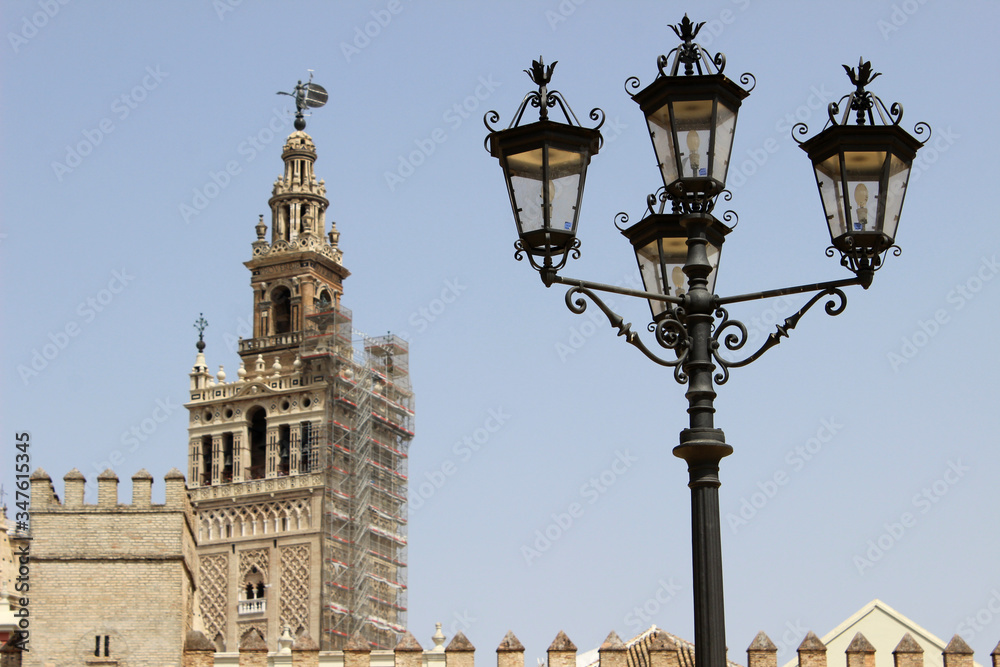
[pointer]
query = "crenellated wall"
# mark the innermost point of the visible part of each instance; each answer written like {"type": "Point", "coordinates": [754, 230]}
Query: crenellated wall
{"type": "Point", "coordinates": [658, 649]}
{"type": "Point", "coordinates": [110, 574]}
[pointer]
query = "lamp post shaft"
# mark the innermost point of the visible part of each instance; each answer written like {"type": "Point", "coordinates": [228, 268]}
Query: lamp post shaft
{"type": "Point", "coordinates": [703, 446]}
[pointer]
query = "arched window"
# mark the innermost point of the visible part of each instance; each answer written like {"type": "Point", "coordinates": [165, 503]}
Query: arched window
{"type": "Point", "coordinates": [281, 304]}
{"type": "Point", "coordinates": [306, 462]}
{"type": "Point", "coordinates": [284, 449]}
{"type": "Point", "coordinates": [206, 460]}
{"type": "Point", "coordinates": [254, 585]}
{"type": "Point", "coordinates": [227, 457]}
{"type": "Point", "coordinates": [258, 442]}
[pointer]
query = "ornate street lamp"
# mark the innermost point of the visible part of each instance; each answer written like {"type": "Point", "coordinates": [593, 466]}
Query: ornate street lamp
{"type": "Point", "coordinates": [862, 173]}
{"type": "Point", "coordinates": [691, 117]}
{"type": "Point", "coordinates": [545, 166]}
{"type": "Point", "coordinates": [661, 249]}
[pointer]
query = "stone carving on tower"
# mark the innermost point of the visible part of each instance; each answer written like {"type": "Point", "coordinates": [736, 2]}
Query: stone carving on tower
{"type": "Point", "coordinates": [297, 466]}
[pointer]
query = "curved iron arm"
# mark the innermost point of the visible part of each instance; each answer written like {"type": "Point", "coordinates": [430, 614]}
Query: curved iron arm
{"type": "Point", "coordinates": [672, 336]}
{"type": "Point", "coordinates": [736, 340]}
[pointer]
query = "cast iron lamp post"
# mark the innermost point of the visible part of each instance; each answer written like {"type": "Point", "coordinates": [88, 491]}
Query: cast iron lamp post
{"type": "Point", "coordinates": [861, 172]}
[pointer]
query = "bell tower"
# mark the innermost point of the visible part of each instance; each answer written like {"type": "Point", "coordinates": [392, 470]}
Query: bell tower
{"type": "Point", "coordinates": [298, 466]}
{"type": "Point", "coordinates": [301, 265]}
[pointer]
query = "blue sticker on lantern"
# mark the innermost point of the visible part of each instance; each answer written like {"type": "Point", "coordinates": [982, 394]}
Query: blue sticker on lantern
{"type": "Point", "coordinates": [568, 225]}
{"type": "Point", "coordinates": [703, 171]}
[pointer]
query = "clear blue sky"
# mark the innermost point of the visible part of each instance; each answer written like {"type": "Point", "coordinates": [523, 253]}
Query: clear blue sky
{"type": "Point", "coordinates": [117, 116]}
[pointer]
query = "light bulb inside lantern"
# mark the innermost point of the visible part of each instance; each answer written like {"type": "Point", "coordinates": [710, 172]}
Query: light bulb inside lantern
{"type": "Point", "coordinates": [693, 144]}
{"type": "Point", "coordinates": [678, 278]}
{"type": "Point", "coordinates": [861, 199]}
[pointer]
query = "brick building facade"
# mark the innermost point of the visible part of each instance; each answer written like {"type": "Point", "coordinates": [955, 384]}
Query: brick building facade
{"type": "Point", "coordinates": [111, 583]}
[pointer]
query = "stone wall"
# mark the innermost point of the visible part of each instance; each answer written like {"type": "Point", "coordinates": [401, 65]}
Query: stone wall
{"type": "Point", "coordinates": [110, 574]}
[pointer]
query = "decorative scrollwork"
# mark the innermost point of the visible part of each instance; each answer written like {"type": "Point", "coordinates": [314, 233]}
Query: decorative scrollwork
{"type": "Point", "coordinates": [676, 334]}
{"type": "Point", "coordinates": [598, 115]}
{"type": "Point", "coordinates": [896, 112]}
{"type": "Point", "coordinates": [799, 128]}
{"type": "Point", "coordinates": [621, 220]}
{"type": "Point", "coordinates": [564, 253]}
{"type": "Point", "coordinates": [860, 260]}
{"type": "Point", "coordinates": [720, 61]}
{"type": "Point", "coordinates": [729, 216]}
{"type": "Point", "coordinates": [633, 83]}
{"type": "Point", "coordinates": [834, 108]}
{"type": "Point", "coordinates": [491, 116]}
{"type": "Point", "coordinates": [919, 129]}
{"type": "Point", "coordinates": [746, 78]}
{"type": "Point", "coordinates": [661, 197]}
{"type": "Point", "coordinates": [834, 306]}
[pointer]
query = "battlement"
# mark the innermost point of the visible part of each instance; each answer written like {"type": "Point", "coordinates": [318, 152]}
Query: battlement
{"type": "Point", "coordinates": [654, 649]}
{"type": "Point", "coordinates": [44, 498]}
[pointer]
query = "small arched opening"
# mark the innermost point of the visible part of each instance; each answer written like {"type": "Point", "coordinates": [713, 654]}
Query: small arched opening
{"type": "Point", "coordinates": [281, 303]}
{"type": "Point", "coordinates": [257, 418]}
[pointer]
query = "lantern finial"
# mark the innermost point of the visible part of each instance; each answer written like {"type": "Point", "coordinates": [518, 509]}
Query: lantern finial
{"type": "Point", "coordinates": [862, 101]}
{"type": "Point", "coordinates": [690, 53]}
{"type": "Point", "coordinates": [541, 77]}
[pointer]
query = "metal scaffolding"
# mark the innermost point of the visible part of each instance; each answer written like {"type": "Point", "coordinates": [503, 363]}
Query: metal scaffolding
{"type": "Point", "coordinates": [369, 421]}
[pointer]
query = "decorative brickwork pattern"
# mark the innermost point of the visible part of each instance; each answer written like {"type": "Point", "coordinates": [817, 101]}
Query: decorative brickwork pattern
{"type": "Point", "coordinates": [295, 587]}
{"type": "Point", "coordinates": [266, 518]}
{"type": "Point", "coordinates": [214, 570]}
{"type": "Point", "coordinates": [243, 628]}
{"type": "Point", "coordinates": [250, 559]}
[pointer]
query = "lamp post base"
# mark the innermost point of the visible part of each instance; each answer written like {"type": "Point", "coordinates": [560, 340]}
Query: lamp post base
{"type": "Point", "coordinates": [703, 449]}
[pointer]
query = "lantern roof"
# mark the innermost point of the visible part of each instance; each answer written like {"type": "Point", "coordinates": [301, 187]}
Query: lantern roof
{"type": "Point", "coordinates": [869, 111]}
{"type": "Point", "coordinates": [542, 99]}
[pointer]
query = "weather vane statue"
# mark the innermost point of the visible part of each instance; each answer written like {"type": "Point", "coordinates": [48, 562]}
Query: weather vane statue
{"type": "Point", "coordinates": [201, 324]}
{"type": "Point", "coordinates": [307, 95]}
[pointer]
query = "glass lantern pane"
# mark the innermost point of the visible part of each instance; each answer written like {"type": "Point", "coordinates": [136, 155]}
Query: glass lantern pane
{"type": "Point", "coordinates": [899, 174]}
{"type": "Point", "coordinates": [725, 129]}
{"type": "Point", "coordinates": [713, 259]}
{"type": "Point", "coordinates": [828, 180]}
{"type": "Point", "coordinates": [525, 173]}
{"type": "Point", "coordinates": [565, 169]}
{"type": "Point", "coordinates": [663, 144]}
{"type": "Point", "coordinates": [661, 264]}
{"type": "Point", "coordinates": [693, 122]}
{"type": "Point", "coordinates": [863, 176]}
